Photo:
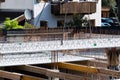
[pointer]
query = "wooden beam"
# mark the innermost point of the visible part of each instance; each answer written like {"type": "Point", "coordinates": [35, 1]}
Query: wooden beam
{"type": "Point", "coordinates": [94, 63]}
{"type": "Point", "coordinates": [109, 72]}
{"type": "Point", "coordinates": [76, 67]}
{"type": "Point", "coordinates": [17, 76]}
{"type": "Point", "coordinates": [49, 72]}
{"type": "Point", "coordinates": [26, 77]}
{"type": "Point", "coordinates": [89, 69]}
{"type": "Point", "coordinates": [10, 75]}
{"type": "Point", "coordinates": [20, 18]}
{"type": "Point", "coordinates": [97, 63]}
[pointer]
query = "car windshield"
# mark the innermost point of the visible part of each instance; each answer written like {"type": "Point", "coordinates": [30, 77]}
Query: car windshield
{"type": "Point", "coordinates": [107, 20]}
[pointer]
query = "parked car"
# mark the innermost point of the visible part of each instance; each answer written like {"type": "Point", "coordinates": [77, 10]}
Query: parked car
{"type": "Point", "coordinates": [115, 21]}
{"type": "Point", "coordinates": [103, 24]}
{"type": "Point", "coordinates": [107, 20]}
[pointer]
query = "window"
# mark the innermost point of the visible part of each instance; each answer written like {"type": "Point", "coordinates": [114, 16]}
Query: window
{"type": "Point", "coordinates": [43, 24]}
{"type": "Point", "coordinates": [60, 23]}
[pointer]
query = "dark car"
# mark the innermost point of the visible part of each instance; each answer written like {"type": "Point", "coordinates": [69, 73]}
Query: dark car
{"type": "Point", "coordinates": [115, 21]}
{"type": "Point", "coordinates": [103, 24]}
{"type": "Point", "coordinates": [107, 20]}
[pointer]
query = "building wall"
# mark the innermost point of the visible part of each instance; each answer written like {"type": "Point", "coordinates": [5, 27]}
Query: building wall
{"type": "Point", "coordinates": [42, 11]}
{"type": "Point", "coordinates": [17, 4]}
{"type": "Point", "coordinates": [97, 15]}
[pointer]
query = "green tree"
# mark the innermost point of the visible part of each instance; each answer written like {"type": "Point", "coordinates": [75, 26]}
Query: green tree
{"type": "Point", "coordinates": [11, 24]}
{"type": "Point", "coordinates": [112, 5]}
{"type": "Point", "coordinates": [78, 21]}
{"type": "Point", "coordinates": [109, 3]}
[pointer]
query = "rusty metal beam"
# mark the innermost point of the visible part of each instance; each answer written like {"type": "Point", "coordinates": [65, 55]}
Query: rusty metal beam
{"type": "Point", "coordinates": [10, 75]}
{"type": "Point", "coordinates": [49, 72]}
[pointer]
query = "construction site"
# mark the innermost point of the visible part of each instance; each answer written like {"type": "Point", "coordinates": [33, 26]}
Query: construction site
{"type": "Point", "coordinates": [65, 53]}
{"type": "Point", "coordinates": [70, 57]}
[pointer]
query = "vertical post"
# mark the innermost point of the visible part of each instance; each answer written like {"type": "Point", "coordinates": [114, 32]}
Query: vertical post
{"type": "Point", "coordinates": [54, 56]}
{"type": "Point", "coordinates": [113, 60]}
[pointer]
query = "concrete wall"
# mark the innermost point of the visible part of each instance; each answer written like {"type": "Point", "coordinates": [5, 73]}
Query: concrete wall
{"type": "Point", "coordinates": [17, 4]}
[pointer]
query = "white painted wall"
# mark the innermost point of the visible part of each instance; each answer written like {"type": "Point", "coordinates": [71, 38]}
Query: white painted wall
{"type": "Point", "coordinates": [42, 11]}
{"type": "Point", "coordinates": [97, 15]}
{"type": "Point", "coordinates": [17, 4]}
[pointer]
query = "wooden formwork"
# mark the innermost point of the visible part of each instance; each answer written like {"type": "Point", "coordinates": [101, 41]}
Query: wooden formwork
{"type": "Point", "coordinates": [88, 68]}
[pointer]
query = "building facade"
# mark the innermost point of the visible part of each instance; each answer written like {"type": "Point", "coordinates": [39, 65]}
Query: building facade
{"type": "Point", "coordinates": [54, 13]}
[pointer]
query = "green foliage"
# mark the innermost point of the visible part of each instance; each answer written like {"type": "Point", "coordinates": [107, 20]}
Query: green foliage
{"type": "Point", "coordinates": [27, 25]}
{"type": "Point", "coordinates": [109, 3]}
{"type": "Point", "coordinates": [77, 21]}
{"type": "Point", "coordinates": [112, 5]}
{"type": "Point", "coordinates": [11, 24]}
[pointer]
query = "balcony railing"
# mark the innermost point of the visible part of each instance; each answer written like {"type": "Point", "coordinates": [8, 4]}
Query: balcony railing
{"type": "Point", "coordinates": [85, 7]}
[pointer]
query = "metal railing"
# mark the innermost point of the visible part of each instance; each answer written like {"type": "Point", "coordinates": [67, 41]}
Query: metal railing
{"type": "Point", "coordinates": [36, 38]}
{"type": "Point", "coordinates": [58, 45]}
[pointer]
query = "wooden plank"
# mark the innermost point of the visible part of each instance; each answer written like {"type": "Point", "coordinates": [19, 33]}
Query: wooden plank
{"type": "Point", "coordinates": [48, 72]}
{"type": "Point", "coordinates": [10, 75]}
{"type": "Point", "coordinates": [94, 63]}
{"type": "Point", "coordinates": [89, 69]}
{"type": "Point", "coordinates": [76, 67]}
{"type": "Point", "coordinates": [75, 7]}
{"type": "Point", "coordinates": [20, 18]}
{"type": "Point", "coordinates": [17, 76]}
{"type": "Point", "coordinates": [26, 77]}
{"type": "Point", "coordinates": [109, 72]}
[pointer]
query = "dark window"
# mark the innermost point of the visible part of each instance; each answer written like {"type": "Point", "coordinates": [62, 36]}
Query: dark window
{"type": "Point", "coordinates": [60, 23]}
{"type": "Point", "coordinates": [43, 24]}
